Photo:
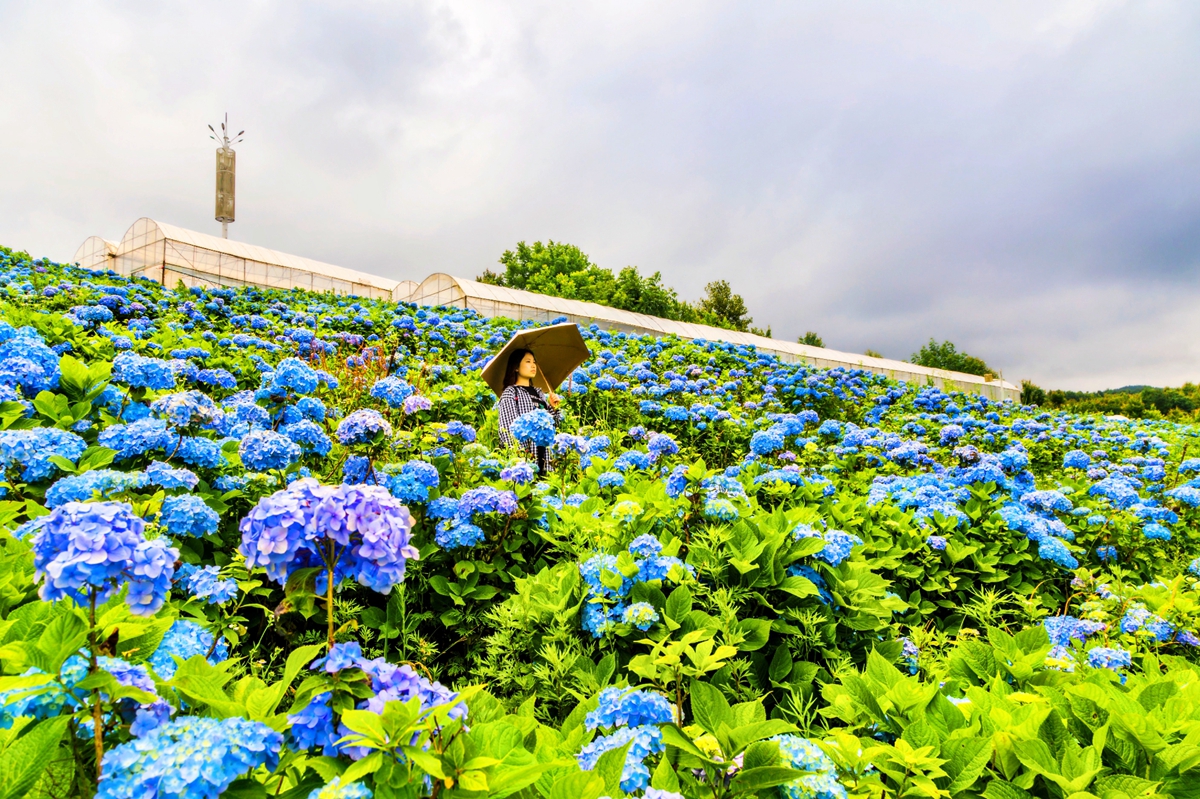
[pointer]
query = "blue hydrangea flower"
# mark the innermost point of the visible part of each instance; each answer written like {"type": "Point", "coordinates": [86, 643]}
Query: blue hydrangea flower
{"type": "Point", "coordinates": [205, 583]}
{"type": "Point", "coordinates": [82, 487]}
{"type": "Point", "coordinates": [766, 442]}
{"type": "Point", "coordinates": [137, 438]}
{"type": "Point", "coordinates": [619, 707]}
{"type": "Point", "coordinates": [185, 640]}
{"type": "Point", "coordinates": [1077, 459]}
{"type": "Point", "coordinates": [291, 529]}
{"type": "Point", "coordinates": [310, 436]}
{"type": "Point", "coordinates": [1103, 657]}
{"type": "Point", "coordinates": [1156, 531]}
{"type": "Point", "coordinates": [263, 450]}
{"type": "Point", "coordinates": [101, 547]}
{"type": "Point", "coordinates": [33, 365]}
{"type": "Point", "coordinates": [645, 545]}
{"type": "Point", "coordinates": [137, 371]}
{"type": "Point", "coordinates": [312, 726]}
{"type": "Point", "coordinates": [519, 473]}
{"type": "Point", "coordinates": [641, 615]}
{"type": "Point", "coordinates": [188, 515]}
{"type": "Point", "coordinates": [535, 427]}
{"type": "Point", "coordinates": [803, 755]}
{"type": "Point", "coordinates": [29, 451]}
{"type": "Point", "coordinates": [644, 741]}
{"type": "Point", "coordinates": [162, 475]}
{"type": "Point", "coordinates": [189, 757]}
{"type": "Point", "coordinates": [294, 376]}
{"type": "Point", "coordinates": [362, 426]}
{"type": "Point", "coordinates": [611, 480]}
{"type": "Point", "coordinates": [392, 390]}
{"type": "Point", "coordinates": [187, 409]}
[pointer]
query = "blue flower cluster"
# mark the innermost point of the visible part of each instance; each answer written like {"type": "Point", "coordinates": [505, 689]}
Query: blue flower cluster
{"type": "Point", "coordinates": [362, 426]}
{"type": "Point", "coordinates": [189, 757]}
{"type": "Point", "coordinates": [365, 528]}
{"type": "Point", "coordinates": [186, 640]}
{"type": "Point", "coordinates": [188, 515]}
{"type": "Point", "coordinates": [99, 548]}
{"type": "Point", "coordinates": [803, 755]}
{"type": "Point", "coordinates": [633, 716]}
{"type": "Point", "coordinates": [535, 427]}
{"type": "Point", "coordinates": [608, 587]}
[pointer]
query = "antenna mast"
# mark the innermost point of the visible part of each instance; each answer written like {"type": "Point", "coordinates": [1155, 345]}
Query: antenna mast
{"type": "Point", "coordinates": [226, 174]}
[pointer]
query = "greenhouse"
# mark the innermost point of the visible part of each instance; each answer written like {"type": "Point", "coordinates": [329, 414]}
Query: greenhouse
{"type": "Point", "coordinates": [491, 301]}
{"type": "Point", "coordinates": [167, 254]}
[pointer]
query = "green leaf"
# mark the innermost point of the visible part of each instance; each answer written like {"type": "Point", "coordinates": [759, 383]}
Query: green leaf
{"type": "Point", "coordinates": [610, 766]}
{"type": "Point", "coordinates": [679, 604]}
{"type": "Point", "coordinates": [781, 665]}
{"type": "Point", "coordinates": [1002, 789]}
{"type": "Point", "coordinates": [709, 707]}
{"type": "Point", "coordinates": [921, 733]}
{"type": "Point", "coordinates": [581, 785]}
{"type": "Point", "coordinates": [361, 768]}
{"type": "Point", "coordinates": [673, 736]}
{"type": "Point", "coordinates": [96, 458]}
{"type": "Point", "coordinates": [299, 658]}
{"type": "Point", "coordinates": [664, 777]}
{"type": "Point", "coordinates": [757, 632]}
{"type": "Point", "coordinates": [742, 737]}
{"type": "Point", "coordinates": [752, 780]}
{"type": "Point", "coordinates": [61, 639]}
{"type": "Point", "coordinates": [967, 758]}
{"type": "Point", "coordinates": [30, 755]}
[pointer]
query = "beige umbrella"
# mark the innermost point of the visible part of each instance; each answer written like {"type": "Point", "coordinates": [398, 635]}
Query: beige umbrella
{"type": "Point", "coordinates": [557, 348]}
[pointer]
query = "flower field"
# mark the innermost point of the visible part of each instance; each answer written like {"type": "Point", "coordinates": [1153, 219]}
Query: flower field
{"type": "Point", "coordinates": [267, 544]}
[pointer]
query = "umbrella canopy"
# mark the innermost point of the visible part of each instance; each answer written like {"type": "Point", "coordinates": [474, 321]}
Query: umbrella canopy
{"type": "Point", "coordinates": [557, 348]}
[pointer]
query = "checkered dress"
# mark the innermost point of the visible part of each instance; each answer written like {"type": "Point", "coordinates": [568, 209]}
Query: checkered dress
{"type": "Point", "coordinates": [516, 402]}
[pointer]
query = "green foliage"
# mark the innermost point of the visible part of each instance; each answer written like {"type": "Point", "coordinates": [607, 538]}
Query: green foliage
{"type": "Point", "coordinates": [1134, 402]}
{"type": "Point", "coordinates": [564, 270]}
{"type": "Point", "coordinates": [944, 355]}
{"type": "Point", "coordinates": [720, 307]}
{"type": "Point", "coordinates": [811, 339]}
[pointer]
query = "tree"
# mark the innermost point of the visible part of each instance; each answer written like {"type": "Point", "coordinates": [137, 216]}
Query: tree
{"type": "Point", "coordinates": [554, 268]}
{"type": "Point", "coordinates": [720, 307]}
{"type": "Point", "coordinates": [946, 356]}
{"type": "Point", "coordinates": [647, 295]}
{"type": "Point", "coordinates": [1031, 394]}
{"type": "Point", "coordinates": [870, 353]}
{"type": "Point", "coordinates": [811, 339]}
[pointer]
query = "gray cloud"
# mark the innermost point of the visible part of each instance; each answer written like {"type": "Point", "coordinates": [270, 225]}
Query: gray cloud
{"type": "Point", "coordinates": [1020, 179]}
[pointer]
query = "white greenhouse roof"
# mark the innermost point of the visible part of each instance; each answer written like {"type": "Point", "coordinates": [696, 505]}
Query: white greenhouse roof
{"type": "Point", "coordinates": [168, 253]}
{"type": "Point", "coordinates": [489, 300]}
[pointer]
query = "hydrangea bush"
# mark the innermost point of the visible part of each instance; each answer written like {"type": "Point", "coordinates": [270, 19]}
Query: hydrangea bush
{"type": "Point", "coordinates": [266, 543]}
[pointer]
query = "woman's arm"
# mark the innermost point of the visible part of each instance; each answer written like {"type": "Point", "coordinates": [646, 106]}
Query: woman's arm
{"type": "Point", "coordinates": [554, 408]}
{"type": "Point", "coordinates": [507, 409]}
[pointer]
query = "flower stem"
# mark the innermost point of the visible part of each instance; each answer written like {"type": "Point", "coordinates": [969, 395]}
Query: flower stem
{"type": "Point", "coordinates": [329, 592]}
{"type": "Point", "coordinates": [97, 712]}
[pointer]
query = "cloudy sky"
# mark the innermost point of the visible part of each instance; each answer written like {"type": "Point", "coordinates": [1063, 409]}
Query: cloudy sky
{"type": "Point", "coordinates": [1022, 178]}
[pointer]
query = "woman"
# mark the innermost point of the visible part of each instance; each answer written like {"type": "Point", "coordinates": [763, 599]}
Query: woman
{"type": "Point", "coordinates": [520, 397]}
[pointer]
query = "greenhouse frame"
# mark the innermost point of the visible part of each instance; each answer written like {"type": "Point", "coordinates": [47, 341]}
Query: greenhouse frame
{"type": "Point", "coordinates": [167, 254]}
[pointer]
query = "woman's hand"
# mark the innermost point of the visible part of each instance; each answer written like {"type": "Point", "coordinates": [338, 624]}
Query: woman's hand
{"type": "Point", "coordinates": [553, 399]}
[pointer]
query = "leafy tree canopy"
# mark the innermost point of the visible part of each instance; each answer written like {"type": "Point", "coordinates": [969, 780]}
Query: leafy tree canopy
{"type": "Point", "coordinates": [946, 356]}
{"type": "Point", "coordinates": [811, 339]}
{"type": "Point", "coordinates": [563, 270]}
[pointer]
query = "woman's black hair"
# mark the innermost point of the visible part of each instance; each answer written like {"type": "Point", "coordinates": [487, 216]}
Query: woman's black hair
{"type": "Point", "coordinates": [514, 366]}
